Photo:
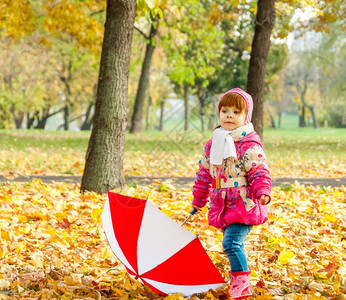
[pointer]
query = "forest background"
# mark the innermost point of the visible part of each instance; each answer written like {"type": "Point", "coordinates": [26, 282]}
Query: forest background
{"type": "Point", "coordinates": [50, 53]}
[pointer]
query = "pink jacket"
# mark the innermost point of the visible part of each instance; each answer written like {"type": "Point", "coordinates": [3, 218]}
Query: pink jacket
{"type": "Point", "coordinates": [243, 181]}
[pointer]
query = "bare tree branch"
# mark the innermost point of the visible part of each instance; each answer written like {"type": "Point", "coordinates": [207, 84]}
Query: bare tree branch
{"type": "Point", "coordinates": [147, 37]}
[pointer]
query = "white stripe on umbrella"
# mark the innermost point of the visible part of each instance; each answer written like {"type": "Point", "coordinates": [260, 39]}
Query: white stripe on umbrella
{"type": "Point", "coordinates": [159, 239]}
{"type": "Point", "coordinates": [108, 226]}
{"type": "Point", "coordinates": [187, 290]}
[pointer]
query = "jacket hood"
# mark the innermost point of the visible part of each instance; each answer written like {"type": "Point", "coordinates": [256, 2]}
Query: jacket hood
{"type": "Point", "coordinates": [248, 100]}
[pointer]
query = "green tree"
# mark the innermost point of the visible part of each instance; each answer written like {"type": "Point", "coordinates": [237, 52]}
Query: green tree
{"type": "Point", "coordinates": [330, 60]}
{"type": "Point", "coordinates": [69, 28]}
{"type": "Point", "coordinates": [21, 75]}
{"type": "Point", "coordinates": [192, 56]}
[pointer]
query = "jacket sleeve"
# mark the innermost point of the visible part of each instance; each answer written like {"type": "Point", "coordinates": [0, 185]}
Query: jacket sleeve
{"type": "Point", "coordinates": [258, 175]}
{"type": "Point", "coordinates": [202, 184]}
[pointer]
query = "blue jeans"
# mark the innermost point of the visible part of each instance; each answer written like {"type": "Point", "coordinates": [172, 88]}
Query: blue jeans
{"type": "Point", "coordinates": [233, 245]}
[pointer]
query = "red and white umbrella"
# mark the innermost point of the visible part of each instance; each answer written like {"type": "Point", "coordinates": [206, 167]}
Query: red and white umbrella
{"type": "Point", "coordinates": [155, 249]}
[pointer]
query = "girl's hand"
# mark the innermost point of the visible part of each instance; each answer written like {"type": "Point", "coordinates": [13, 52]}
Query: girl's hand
{"type": "Point", "coordinates": [264, 200]}
{"type": "Point", "coordinates": [197, 207]}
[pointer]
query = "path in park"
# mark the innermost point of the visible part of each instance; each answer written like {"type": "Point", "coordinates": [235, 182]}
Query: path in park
{"type": "Point", "coordinates": [179, 182]}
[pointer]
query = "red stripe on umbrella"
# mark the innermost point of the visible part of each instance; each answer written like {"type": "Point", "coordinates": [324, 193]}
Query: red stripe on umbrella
{"type": "Point", "coordinates": [123, 209]}
{"type": "Point", "coordinates": [185, 267]}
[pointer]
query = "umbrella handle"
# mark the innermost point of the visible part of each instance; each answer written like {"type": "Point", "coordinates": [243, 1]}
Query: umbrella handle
{"type": "Point", "coordinates": [193, 211]}
{"type": "Point", "coordinates": [191, 214]}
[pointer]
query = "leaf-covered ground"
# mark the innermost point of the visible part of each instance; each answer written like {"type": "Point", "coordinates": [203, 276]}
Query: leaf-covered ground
{"type": "Point", "coordinates": [52, 245]}
{"type": "Point", "coordinates": [166, 164]}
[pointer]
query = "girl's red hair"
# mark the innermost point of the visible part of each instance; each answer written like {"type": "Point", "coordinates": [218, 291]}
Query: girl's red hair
{"type": "Point", "coordinates": [233, 99]}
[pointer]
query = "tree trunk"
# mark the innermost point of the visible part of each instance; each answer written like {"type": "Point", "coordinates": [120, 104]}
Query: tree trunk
{"type": "Point", "coordinates": [214, 117]}
{"type": "Point", "coordinates": [31, 119]}
{"type": "Point", "coordinates": [202, 115]}
{"type": "Point", "coordinates": [302, 92]}
{"type": "Point", "coordinates": [162, 110]}
{"type": "Point", "coordinates": [104, 158]}
{"type": "Point", "coordinates": [66, 81]}
{"type": "Point", "coordinates": [313, 115]}
{"type": "Point", "coordinates": [19, 120]}
{"type": "Point", "coordinates": [136, 122]}
{"type": "Point", "coordinates": [272, 121]}
{"type": "Point", "coordinates": [302, 117]}
{"type": "Point", "coordinates": [265, 20]}
{"type": "Point", "coordinates": [202, 94]}
{"type": "Point", "coordinates": [66, 116]}
{"type": "Point", "coordinates": [150, 102]}
{"type": "Point", "coordinates": [87, 122]}
{"type": "Point", "coordinates": [18, 117]}
{"type": "Point", "coordinates": [41, 122]}
{"type": "Point", "coordinates": [202, 110]}
{"type": "Point", "coordinates": [186, 112]}
{"type": "Point", "coordinates": [279, 119]}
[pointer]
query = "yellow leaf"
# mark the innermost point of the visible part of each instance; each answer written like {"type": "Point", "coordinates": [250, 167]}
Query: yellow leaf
{"type": "Point", "coordinates": [273, 240]}
{"type": "Point", "coordinates": [4, 284]}
{"type": "Point", "coordinates": [253, 273]}
{"type": "Point", "coordinates": [5, 235]}
{"type": "Point", "coordinates": [47, 294]}
{"type": "Point", "coordinates": [122, 294]}
{"type": "Point", "coordinates": [127, 285]}
{"type": "Point", "coordinates": [285, 256]}
{"type": "Point", "coordinates": [37, 262]}
{"type": "Point", "coordinates": [96, 215]}
{"type": "Point", "coordinates": [329, 218]}
{"type": "Point", "coordinates": [72, 279]}
{"type": "Point", "coordinates": [211, 296]}
{"type": "Point", "coordinates": [58, 264]}
{"type": "Point", "coordinates": [264, 297]}
{"type": "Point", "coordinates": [175, 297]}
{"type": "Point", "coordinates": [168, 212]}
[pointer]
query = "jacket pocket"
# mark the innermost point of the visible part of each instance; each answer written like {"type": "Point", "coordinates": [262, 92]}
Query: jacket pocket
{"type": "Point", "coordinates": [254, 212]}
{"type": "Point", "coordinates": [246, 194]}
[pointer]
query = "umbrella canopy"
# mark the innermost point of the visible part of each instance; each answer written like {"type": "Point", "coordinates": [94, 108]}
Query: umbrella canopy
{"type": "Point", "coordinates": [155, 249]}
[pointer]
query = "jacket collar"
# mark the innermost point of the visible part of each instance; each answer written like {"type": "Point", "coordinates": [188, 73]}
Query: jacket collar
{"type": "Point", "coordinates": [241, 131]}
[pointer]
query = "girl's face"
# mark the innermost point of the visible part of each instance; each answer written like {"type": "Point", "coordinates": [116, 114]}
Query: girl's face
{"type": "Point", "coordinates": [231, 117]}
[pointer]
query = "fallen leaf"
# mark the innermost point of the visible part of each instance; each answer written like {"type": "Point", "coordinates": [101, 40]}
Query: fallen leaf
{"type": "Point", "coordinates": [64, 224]}
{"type": "Point", "coordinates": [285, 256]}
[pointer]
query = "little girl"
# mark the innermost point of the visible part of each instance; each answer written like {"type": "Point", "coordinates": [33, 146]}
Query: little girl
{"type": "Point", "coordinates": [235, 166]}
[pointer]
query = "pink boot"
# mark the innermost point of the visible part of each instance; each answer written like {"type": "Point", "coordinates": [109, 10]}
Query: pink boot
{"type": "Point", "coordinates": [240, 285]}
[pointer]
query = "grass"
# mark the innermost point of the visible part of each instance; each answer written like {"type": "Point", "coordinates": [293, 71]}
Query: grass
{"type": "Point", "coordinates": [297, 152]}
{"type": "Point", "coordinates": [44, 140]}
{"type": "Point", "coordinates": [309, 142]}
